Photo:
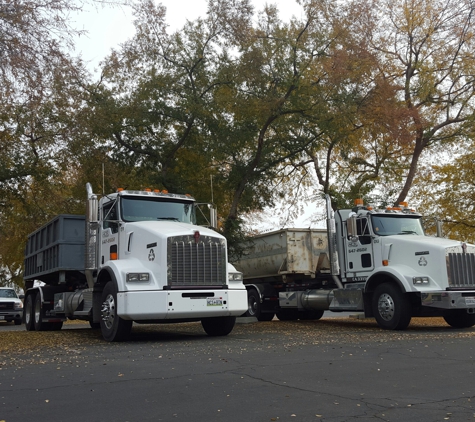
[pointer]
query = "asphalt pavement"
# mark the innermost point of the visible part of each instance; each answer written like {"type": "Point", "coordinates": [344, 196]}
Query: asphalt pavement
{"type": "Point", "coordinates": [338, 370]}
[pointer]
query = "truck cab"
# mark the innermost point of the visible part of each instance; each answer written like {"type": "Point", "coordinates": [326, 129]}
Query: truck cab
{"type": "Point", "coordinates": [401, 272]}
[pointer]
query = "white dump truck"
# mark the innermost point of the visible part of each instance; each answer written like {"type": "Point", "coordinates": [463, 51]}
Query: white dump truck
{"type": "Point", "coordinates": [376, 261]}
{"type": "Point", "coordinates": [136, 256]}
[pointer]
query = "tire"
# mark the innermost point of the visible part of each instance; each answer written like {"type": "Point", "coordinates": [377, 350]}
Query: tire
{"type": "Point", "coordinates": [52, 326]}
{"type": "Point", "coordinates": [37, 314]}
{"type": "Point", "coordinates": [311, 315]}
{"type": "Point", "coordinates": [38, 322]}
{"type": "Point", "coordinates": [18, 322]}
{"type": "Point", "coordinates": [459, 318]}
{"type": "Point", "coordinates": [288, 314]}
{"type": "Point", "coordinates": [391, 307]}
{"type": "Point", "coordinates": [29, 312]}
{"type": "Point", "coordinates": [255, 308]}
{"type": "Point", "coordinates": [218, 326]}
{"type": "Point", "coordinates": [113, 327]}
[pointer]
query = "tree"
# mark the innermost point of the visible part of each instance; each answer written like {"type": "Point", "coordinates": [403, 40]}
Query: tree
{"type": "Point", "coordinates": [41, 87]}
{"type": "Point", "coordinates": [424, 51]}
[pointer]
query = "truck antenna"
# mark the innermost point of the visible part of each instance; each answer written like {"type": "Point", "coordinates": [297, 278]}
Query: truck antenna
{"type": "Point", "coordinates": [103, 190]}
{"type": "Point", "coordinates": [212, 196]}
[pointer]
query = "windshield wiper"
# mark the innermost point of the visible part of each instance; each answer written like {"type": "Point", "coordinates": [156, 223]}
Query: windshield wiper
{"type": "Point", "coordinates": [408, 232]}
{"type": "Point", "coordinates": [168, 218]}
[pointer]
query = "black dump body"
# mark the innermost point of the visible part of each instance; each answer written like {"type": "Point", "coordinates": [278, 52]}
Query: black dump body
{"type": "Point", "coordinates": [54, 253]}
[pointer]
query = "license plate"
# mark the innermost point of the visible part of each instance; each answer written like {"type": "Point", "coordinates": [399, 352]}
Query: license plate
{"type": "Point", "coordinates": [211, 301]}
{"type": "Point", "coordinates": [2, 317]}
{"type": "Point", "coordinates": [470, 301]}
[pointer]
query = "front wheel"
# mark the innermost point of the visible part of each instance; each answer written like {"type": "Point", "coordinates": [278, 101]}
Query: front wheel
{"type": "Point", "coordinates": [113, 327]}
{"type": "Point", "coordinates": [391, 307]}
{"type": "Point", "coordinates": [460, 318]}
{"type": "Point", "coordinates": [218, 326]}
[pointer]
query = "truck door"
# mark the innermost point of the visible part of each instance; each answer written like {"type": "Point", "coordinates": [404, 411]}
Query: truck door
{"type": "Point", "coordinates": [110, 232]}
{"type": "Point", "coordinates": [359, 251]}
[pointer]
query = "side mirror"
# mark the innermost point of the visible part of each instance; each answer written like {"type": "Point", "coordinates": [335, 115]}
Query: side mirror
{"type": "Point", "coordinates": [212, 221]}
{"type": "Point", "coordinates": [351, 228]}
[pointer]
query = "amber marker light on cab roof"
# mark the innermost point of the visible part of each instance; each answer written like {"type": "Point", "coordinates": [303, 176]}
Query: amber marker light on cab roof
{"type": "Point", "coordinates": [120, 189]}
{"type": "Point", "coordinates": [358, 202]}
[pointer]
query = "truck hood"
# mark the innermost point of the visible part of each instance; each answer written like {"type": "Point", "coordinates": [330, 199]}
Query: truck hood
{"type": "Point", "coordinates": [427, 256]}
{"type": "Point", "coordinates": [426, 245]}
{"type": "Point", "coordinates": [167, 229]}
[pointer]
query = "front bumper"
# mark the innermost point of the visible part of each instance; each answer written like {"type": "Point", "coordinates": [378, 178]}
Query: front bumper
{"type": "Point", "coordinates": [11, 315]}
{"type": "Point", "coordinates": [449, 299]}
{"type": "Point", "coordinates": [180, 304]}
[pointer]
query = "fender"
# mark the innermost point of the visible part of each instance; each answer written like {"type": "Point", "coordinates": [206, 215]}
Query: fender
{"type": "Point", "coordinates": [263, 290]}
{"type": "Point", "coordinates": [29, 292]}
{"type": "Point", "coordinates": [401, 274]}
{"type": "Point", "coordinates": [105, 275]}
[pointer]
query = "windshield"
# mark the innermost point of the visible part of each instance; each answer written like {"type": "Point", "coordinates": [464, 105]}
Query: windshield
{"type": "Point", "coordinates": [386, 226]}
{"type": "Point", "coordinates": [8, 293]}
{"type": "Point", "coordinates": [155, 209]}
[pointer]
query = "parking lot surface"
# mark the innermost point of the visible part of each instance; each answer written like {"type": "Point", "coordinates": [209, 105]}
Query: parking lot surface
{"type": "Point", "coordinates": [337, 370]}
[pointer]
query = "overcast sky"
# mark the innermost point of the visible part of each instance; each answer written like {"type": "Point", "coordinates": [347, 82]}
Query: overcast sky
{"type": "Point", "coordinates": [108, 27]}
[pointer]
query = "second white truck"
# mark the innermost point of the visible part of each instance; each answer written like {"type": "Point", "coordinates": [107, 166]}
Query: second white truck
{"type": "Point", "coordinates": [375, 261]}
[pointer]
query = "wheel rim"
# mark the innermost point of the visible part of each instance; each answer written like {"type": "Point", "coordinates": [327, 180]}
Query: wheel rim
{"type": "Point", "coordinates": [28, 311]}
{"type": "Point", "coordinates": [386, 307]}
{"type": "Point", "coordinates": [108, 311]}
{"type": "Point", "coordinates": [252, 305]}
{"type": "Point", "coordinates": [38, 311]}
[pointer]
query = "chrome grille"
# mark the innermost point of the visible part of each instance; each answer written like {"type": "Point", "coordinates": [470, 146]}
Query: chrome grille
{"type": "Point", "coordinates": [196, 263]}
{"type": "Point", "coordinates": [461, 270]}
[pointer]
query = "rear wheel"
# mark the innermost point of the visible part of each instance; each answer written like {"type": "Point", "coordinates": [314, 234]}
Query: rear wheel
{"type": "Point", "coordinates": [38, 318]}
{"type": "Point", "coordinates": [29, 312]}
{"type": "Point", "coordinates": [218, 326]}
{"type": "Point", "coordinates": [391, 307]}
{"type": "Point", "coordinates": [459, 318]}
{"type": "Point", "coordinates": [113, 327]}
{"type": "Point", "coordinates": [288, 314]}
{"type": "Point", "coordinates": [255, 308]}
{"type": "Point", "coordinates": [310, 315]}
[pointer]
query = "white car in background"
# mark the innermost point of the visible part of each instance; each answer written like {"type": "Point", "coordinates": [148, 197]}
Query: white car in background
{"type": "Point", "coordinates": [11, 306]}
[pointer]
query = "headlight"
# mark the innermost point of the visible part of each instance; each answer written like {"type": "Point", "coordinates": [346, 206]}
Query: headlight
{"type": "Point", "coordinates": [137, 277]}
{"type": "Point", "coordinates": [18, 305]}
{"type": "Point", "coordinates": [420, 280]}
{"type": "Point", "coordinates": [235, 277]}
